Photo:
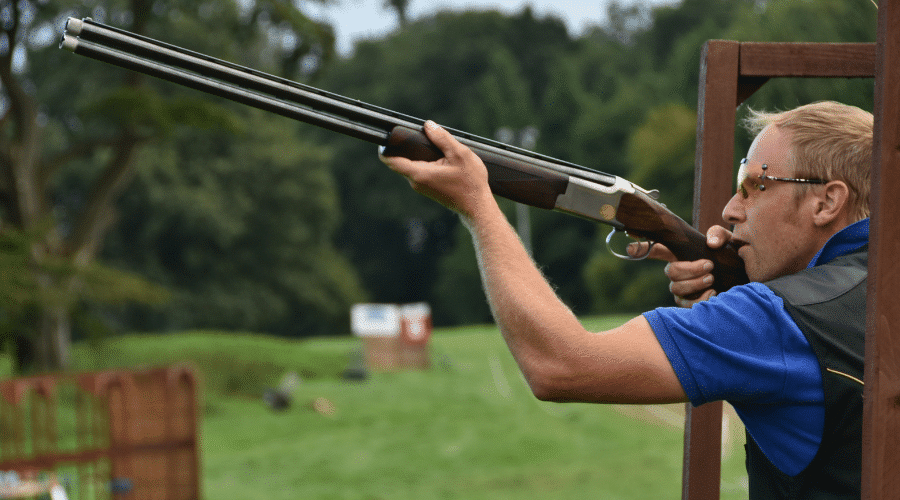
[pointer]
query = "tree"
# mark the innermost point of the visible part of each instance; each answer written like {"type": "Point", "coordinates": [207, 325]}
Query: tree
{"type": "Point", "coordinates": [240, 234]}
{"type": "Point", "coordinates": [401, 8]}
{"type": "Point", "coordinates": [29, 169]}
{"type": "Point", "coordinates": [64, 118]}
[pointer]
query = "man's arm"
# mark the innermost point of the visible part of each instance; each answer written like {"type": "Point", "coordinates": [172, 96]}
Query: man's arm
{"type": "Point", "coordinates": [560, 359]}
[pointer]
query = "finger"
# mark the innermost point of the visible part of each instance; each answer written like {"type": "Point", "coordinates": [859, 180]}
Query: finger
{"type": "Point", "coordinates": [689, 303]}
{"type": "Point", "coordinates": [406, 167]}
{"type": "Point", "coordinates": [691, 288]}
{"type": "Point", "coordinates": [657, 251]}
{"type": "Point", "coordinates": [402, 166]}
{"type": "Point", "coordinates": [443, 139]}
{"type": "Point", "coordinates": [637, 249]}
{"type": "Point", "coordinates": [716, 236]}
{"type": "Point", "coordinates": [688, 270]}
{"type": "Point", "coordinates": [382, 158]}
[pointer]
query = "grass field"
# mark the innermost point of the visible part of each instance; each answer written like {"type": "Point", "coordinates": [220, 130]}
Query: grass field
{"type": "Point", "coordinates": [468, 428]}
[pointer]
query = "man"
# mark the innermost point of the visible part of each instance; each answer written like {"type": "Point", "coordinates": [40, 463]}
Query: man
{"type": "Point", "coordinates": [784, 350]}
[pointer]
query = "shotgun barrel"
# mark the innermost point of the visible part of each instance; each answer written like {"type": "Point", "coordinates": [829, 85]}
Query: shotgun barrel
{"type": "Point", "coordinates": [514, 173]}
{"type": "Point", "coordinates": [272, 93]}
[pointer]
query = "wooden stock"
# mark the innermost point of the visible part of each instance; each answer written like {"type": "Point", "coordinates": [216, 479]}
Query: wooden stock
{"type": "Point", "coordinates": [646, 218]}
{"type": "Point", "coordinates": [508, 177]}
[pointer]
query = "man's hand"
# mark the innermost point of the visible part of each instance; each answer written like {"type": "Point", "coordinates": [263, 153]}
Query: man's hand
{"type": "Point", "coordinates": [691, 282]}
{"type": "Point", "coordinates": [459, 180]}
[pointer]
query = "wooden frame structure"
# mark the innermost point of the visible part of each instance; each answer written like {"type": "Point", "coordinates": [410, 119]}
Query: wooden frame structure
{"type": "Point", "coordinates": [729, 73]}
{"type": "Point", "coordinates": [115, 434]}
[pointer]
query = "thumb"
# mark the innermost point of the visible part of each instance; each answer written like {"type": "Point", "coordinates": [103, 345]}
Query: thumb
{"type": "Point", "coordinates": [716, 236]}
{"type": "Point", "coordinates": [442, 139]}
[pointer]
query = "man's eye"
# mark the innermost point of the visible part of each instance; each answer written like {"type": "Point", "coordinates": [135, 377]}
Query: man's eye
{"type": "Point", "coordinates": [743, 191]}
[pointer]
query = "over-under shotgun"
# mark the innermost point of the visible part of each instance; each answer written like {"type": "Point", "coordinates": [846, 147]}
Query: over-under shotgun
{"type": "Point", "coordinates": [514, 173]}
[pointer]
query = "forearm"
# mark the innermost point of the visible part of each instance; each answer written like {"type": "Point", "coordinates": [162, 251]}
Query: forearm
{"type": "Point", "coordinates": [560, 359]}
{"type": "Point", "coordinates": [540, 330]}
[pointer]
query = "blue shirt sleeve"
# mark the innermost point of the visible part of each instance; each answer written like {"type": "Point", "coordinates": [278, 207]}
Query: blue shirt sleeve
{"type": "Point", "coordinates": [742, 347]}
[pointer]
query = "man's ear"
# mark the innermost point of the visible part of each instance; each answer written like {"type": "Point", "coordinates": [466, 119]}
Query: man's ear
{"type": "Point", "coordinates": [831, 203]}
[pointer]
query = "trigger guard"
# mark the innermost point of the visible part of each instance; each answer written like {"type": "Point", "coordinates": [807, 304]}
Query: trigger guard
{"type": "Point", "coordinates": [626, 257]}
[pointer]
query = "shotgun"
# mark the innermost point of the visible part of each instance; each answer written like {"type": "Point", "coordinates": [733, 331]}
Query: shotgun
{"type": "Point", "coordinates": [514, 173]}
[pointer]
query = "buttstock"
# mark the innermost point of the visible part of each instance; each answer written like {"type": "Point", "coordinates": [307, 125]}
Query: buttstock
{"type": "Point", "coordinates": [647, 218]}
{"type": "Point", "coordinates": [508, 177]}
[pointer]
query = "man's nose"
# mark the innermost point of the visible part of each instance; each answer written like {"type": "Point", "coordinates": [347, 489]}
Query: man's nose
{"type": "Point", "coordinates": [733, 212]}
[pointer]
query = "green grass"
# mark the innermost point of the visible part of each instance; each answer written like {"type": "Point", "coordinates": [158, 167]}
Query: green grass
{"type": "Point", "coordinates": [467, 428]}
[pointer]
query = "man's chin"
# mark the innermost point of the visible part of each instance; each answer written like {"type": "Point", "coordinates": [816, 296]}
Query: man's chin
{"type": "Point", "coordinates": [742, 253]}
{"type": "Point", "coordinates": [749, 264]}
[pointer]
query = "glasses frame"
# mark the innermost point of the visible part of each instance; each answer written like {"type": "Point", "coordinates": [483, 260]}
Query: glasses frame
{"type": "Point", "coordinates": [763, 177]}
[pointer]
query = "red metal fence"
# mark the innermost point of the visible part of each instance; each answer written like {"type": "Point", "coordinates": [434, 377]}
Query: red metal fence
{"type": "Point", "coordinates": [105, 435]}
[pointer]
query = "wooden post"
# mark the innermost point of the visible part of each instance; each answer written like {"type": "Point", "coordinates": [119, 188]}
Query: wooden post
{"type": "Point", "coordinates": [881, 427]}
{"type": "Point", "coordinates": [712, 187]}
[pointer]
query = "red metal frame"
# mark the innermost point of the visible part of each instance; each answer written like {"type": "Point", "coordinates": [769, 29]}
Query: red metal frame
{"type": "Point", "coordinates": [120, 434]}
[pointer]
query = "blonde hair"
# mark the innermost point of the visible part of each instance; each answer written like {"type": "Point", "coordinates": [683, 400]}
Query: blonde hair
{"type": "Point", "coordinates": [831, 141]}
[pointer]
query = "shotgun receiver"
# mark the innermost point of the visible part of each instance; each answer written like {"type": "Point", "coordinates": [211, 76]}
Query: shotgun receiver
{"type": "Point", "coordinates": [514, 173]}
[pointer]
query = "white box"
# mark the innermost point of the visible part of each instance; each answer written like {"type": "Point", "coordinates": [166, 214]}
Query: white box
{"type": "Point", "coordinates": [375, 320]}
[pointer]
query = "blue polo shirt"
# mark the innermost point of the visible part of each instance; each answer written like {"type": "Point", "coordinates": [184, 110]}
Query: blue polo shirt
{"type": "Point", "coordinates": [742, 347]}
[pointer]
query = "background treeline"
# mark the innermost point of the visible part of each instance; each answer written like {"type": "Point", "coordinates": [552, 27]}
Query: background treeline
{"type": "Point", "coordinates": [199, 213]}
{"type": "Point", "coordinates": [621, 99]}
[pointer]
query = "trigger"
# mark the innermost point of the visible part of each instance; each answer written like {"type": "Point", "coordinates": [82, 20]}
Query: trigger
{"type": "Point", "coordinates": [642, 256]}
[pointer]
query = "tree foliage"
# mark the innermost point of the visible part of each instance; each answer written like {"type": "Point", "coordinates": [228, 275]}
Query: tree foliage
{"type": "Point", "coordinates": [72, 129]}
{"type": "Point", "coordinates": [621, 99]}
{"type": "Point", "coordinates": [254, 222]}
{"type": "Point", "coordinates": [241, 233]}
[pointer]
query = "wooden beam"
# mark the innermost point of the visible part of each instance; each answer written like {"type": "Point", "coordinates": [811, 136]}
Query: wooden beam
{"type": "Point", "coordinates": [701, 472]}
{"type": "Point", "coordinates": [881, 411]}
{"type": "Point", "coordinates": [716, 113]}
{"type": "Point", "coordinates": [807, 60]}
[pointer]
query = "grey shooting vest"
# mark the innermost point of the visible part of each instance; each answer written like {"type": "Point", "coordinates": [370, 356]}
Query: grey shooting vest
{"type": "Point", "coordinates": [828, 303]}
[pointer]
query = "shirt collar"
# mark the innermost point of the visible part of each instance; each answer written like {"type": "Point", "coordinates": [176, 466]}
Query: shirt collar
{"type": "Point", "coordinates": [847, 240]}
